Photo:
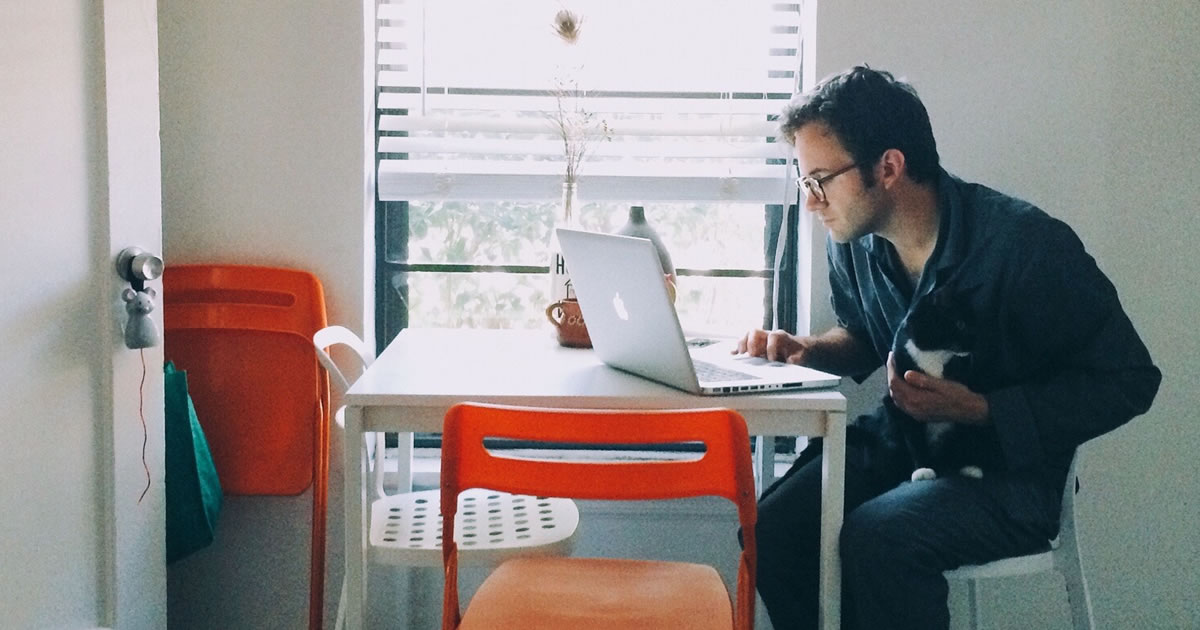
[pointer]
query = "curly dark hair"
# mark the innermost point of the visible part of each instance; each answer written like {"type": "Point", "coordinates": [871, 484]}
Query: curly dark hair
{"type": "Point", "coordinates": [869, 111]}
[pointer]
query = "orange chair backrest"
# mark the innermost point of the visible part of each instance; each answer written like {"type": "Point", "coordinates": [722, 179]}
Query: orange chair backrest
{"type": "Point", "coordinates": [724, 469]}
{"type": "Point", "coordinates": [244, 335]}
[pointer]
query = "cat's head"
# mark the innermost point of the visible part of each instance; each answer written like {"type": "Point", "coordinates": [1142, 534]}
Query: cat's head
{"type": "Point", "coordinates": [941, 320]}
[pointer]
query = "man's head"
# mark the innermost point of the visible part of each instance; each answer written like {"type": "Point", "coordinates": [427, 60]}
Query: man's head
{"type": "Point", "coordinates": [863, 144]}
{"type": "Point", "coordinates": [869, 112]}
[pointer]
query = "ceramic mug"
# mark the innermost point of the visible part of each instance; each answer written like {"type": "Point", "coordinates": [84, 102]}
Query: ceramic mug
{"type": "Point", "coordinates": [568, 322]}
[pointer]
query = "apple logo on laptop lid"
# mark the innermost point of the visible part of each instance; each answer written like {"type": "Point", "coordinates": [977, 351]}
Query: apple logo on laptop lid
{"type": "Point", "coordinates": [619, 307]}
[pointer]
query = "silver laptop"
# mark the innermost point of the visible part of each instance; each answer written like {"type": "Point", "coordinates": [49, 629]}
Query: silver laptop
{"type": "Point", "coordinates": [634, 327]}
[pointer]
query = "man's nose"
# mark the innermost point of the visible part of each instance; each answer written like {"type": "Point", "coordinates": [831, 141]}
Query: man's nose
{"type": "Point", "coordinates": [810, 202]}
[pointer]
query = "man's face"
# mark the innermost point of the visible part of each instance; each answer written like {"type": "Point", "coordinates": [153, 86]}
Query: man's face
{"type": "Point", "coordinates": [850, 211]}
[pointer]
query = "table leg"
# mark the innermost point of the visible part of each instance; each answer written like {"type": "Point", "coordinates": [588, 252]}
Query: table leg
{"type": "Point", "coordinates": [355, 503]}
{"type": "Point", "coordinates": [404, 462]}
{"type": "Point", "coordinates": [764, 461]}
{"type": "Point", "coordinates": [833, 488]}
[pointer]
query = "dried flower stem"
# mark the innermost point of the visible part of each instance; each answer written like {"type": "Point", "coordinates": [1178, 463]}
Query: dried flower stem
{"type": "Point", "coordinates": [577, 127]}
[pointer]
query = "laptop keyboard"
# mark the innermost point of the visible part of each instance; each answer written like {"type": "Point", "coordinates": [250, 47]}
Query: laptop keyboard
{"type": "Point", "coordinates": [707, 372]}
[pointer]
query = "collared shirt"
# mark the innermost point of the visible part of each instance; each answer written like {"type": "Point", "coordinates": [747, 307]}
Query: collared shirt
{"type": "Point", "coordinates": [1056, 357]}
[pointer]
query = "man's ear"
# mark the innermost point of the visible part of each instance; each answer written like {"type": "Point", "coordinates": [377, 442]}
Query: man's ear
{"type": "Point", "coordinates": [892, 166]}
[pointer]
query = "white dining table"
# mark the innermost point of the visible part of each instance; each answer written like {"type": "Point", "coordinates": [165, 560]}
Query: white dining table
{"type": "Point", "coordinates": [423, 372]}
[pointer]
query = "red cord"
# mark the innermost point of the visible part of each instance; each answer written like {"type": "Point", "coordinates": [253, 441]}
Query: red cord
{"type": "Point", "coordinates": [145, 433]}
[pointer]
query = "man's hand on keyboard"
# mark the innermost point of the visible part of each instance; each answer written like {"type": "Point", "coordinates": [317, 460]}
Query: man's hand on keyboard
{"type": "Point", "coordinates": [776, 345]}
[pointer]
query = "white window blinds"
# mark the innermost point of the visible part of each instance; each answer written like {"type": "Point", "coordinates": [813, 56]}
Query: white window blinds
{"type": "Point", "coordinates": [676, 100]}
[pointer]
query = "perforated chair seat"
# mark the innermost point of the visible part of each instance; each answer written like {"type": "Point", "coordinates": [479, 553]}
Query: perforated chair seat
{"type": "Point", "coordinates": [406, 528]}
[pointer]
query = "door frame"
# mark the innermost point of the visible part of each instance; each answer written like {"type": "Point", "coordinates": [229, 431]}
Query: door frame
{"type": "Point", "coordinates": [132, 585]}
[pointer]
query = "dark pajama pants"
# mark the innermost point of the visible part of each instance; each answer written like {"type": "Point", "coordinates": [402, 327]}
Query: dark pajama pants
{"type": "Point", "coordinates": [897, 539]}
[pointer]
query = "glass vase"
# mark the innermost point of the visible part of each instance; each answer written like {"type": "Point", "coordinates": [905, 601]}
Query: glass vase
{"type": "Point", "coordinates": [566, 217]}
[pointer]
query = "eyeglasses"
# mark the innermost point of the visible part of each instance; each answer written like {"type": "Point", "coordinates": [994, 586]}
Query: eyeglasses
{"type": "Point", "coordinates": [814, 186]}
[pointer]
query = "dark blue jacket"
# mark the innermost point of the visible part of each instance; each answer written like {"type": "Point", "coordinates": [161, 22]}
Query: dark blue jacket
{"type": "Point", "coordinates": [1056, 356]}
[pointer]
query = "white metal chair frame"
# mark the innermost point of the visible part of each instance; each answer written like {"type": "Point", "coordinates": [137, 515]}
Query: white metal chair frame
{"type": "Point", "coordinates": [331, 336]}
{"type": "Point", "coordinates": [406, 527]}
{"type": "Point", "coordinates": [1063, 557]}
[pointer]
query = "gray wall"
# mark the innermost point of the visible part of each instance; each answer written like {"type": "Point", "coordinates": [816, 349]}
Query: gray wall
{"type": "Point", "coordinates": [1086, 109]}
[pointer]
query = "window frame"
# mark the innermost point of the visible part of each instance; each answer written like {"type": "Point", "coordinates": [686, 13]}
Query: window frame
{"type": "Point", "coordinates": [780, 271]}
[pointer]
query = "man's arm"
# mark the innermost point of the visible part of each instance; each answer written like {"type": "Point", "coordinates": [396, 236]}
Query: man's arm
{"type": "Point", "coordinates": [1089, 371]}
{"type": "Point", "coordinates": [836, 351]}
{"type": "Point", "coordinates": [1076, 367]}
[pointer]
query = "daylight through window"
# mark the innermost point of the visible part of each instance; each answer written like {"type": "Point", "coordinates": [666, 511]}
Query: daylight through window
{"type": "Point", "coordinates": [680, 100]}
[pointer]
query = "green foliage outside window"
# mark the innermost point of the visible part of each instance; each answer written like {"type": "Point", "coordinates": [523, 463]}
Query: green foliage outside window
{"type": "Point", "coordinates": [699, 236]}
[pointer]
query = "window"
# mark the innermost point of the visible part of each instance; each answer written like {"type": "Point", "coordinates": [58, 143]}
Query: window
{"type": "Point", "coordinates": [470, 165]}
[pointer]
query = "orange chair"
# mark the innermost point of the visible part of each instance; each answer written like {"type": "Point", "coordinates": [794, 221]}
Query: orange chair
{"type": "Point", "coordinates": [599, 593]}
{"type": "Point", "coordinates": [244, 336]}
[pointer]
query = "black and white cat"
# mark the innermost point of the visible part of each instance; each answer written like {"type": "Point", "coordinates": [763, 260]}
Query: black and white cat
{"type": "Point", "coordinates": [936, 337]}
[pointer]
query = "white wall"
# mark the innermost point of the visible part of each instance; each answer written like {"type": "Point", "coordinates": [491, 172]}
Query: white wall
{"type": "Point", "coordinates": [262, 144]}
{"type": "Point", "coordinates": [263, 150]}
{"type": "Point", "coordinates": [80, 545]}
{"type": "Point", "coordinates": [1086, 109]}
{"type": "Point", "coordinates": [47, 193]}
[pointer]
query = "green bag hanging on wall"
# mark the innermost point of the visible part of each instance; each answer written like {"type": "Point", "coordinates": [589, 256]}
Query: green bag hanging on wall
{"type": "Point", "coordinates": [192, 487]}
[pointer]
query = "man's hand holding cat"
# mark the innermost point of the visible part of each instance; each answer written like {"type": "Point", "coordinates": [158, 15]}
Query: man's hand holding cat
{"type": "Point", "coordinates": [930, 399]}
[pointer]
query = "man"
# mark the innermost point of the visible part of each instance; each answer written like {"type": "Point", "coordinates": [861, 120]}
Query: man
{"type": "Point", "coordinates": [1056, 362]}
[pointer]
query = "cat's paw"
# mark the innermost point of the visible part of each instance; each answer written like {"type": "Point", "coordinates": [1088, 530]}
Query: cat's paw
{"type": "Point", "coordinates": [973, 472]}
{"type": "Point", "coordinates": [923, 474]}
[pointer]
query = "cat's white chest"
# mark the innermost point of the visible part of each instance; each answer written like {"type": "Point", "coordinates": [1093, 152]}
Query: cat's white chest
{"type": "Point", "coordinates": [931, 362]}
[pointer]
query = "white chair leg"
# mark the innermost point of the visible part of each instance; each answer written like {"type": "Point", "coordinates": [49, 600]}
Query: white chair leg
{"type": "Point", "coordinates": [340, 622]}
{"type": "Point", "coordinates": [406, 583]}
{"type": "Point", "coordinates": [1078, 597]}
{"type": "Point", "coordinates": [973, 605]}
{"type": "Point", "coordinates": [404, 455]}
